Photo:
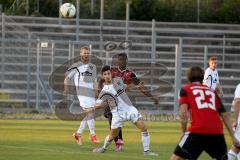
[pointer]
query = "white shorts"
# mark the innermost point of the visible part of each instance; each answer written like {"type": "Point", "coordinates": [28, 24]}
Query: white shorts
{"type": "Point", "coordinates": [86, 102]}
{"type": "Point", "coordinates": [119, 118]}
{"type": "Point", "coordinates": [237, 132]}
{"type": "Point", "coordinates": [237, 129]}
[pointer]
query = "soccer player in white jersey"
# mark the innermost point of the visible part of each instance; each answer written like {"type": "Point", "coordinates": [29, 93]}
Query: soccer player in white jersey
{"type": "Point", "coordinates": [234, 151]}
{"type": "Point", "coordinates": [84, 75]}
{"type": "Point", "coordinates": [123, 110]}
{"type": "Point", "coordinates": [211, 78]}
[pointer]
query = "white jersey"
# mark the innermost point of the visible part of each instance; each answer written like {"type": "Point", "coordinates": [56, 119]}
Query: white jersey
{"type": "Point", "coordinates": [211, 78]}
{"type": "Point", "coordinates": [117, 91]}
{"type": "Point", "coordinates": [237, 97]}
{"type": "Point", "coordinates": [123, 110]}
{"type": "Point", "coordinates": [237, 92]}
{"type": "Point", "coordinates": [84, 77]}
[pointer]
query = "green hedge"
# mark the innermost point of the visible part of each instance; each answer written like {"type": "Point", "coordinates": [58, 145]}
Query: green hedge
{"type": "Point", "coordinates": [211, 11]}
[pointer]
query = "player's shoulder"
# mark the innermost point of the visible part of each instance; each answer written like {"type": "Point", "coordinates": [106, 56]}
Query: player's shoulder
{"type": "Point", "coordinates": [114, 69]}
{"type": "Point", "coordinates": [238, 88]}
{"type": "Point", "coordinates": [117, 80]}
{"type": "Point", "coordinates": [208, 70]}
{"type": "Point", "coordinates": [187, 86]}
{"type": "Point", "coordinates": [128, 70]}
{"type": "Point", "coordinates": [185, 89]}
{"type": "Point", "coordinates": [91, 65]}
{"type": "Point", "coordinates": [75, 65]}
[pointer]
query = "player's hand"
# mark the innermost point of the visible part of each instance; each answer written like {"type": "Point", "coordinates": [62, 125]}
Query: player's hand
{"type": "Point", "coordinates": [220, 94]}
{"type": "Point", "coordinates": [155, 100]}
{"type": "Point", "coordinates": [65, 92]}
{"type": "Point", "coordinates": [89, 110]}
{"type": "Point", "coordinates": [234, 125]}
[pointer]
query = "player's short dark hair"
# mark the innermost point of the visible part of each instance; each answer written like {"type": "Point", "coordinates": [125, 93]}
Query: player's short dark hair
{"type": "Point", "coordinates": [105, 68]}
{"type": "Point", "coordinates": [122, 55]}
{"type": "Point", "coordinates": [212, 58]}
{"type": "Point", "coordinates": [195, 74]}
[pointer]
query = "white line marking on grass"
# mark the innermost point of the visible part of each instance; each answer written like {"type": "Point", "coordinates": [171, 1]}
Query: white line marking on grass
{"type": "Point", "coordinates": [72, 152]}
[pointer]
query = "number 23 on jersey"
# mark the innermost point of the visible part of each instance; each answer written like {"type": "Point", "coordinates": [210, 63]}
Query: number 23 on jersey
{"type": "Point", "coordinates": [204, 99]}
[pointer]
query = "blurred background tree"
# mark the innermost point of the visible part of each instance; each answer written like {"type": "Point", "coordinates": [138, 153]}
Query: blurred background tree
{"type": "Point", "coordinates": [210, 11]}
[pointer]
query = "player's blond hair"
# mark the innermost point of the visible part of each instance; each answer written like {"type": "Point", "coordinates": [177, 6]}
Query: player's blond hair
{"type": "Point", "coordinates": [212, 58]}
{"type": "Point", "coordinates": [85, 47]}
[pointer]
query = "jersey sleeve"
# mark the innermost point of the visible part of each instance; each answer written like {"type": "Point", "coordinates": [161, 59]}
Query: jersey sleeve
{"type": "Point", "coordinates": [207, 78]}
{"type": "Point", "coordinates": [237, 92]}
{"type": "Point", "coordinates": [95, 73]}
{"type": "Point", "coordinates": [99, 101]}
{"type": "Point", "coordinates": [218, 78]}
{"type": "Point", "coordinates": [219, 105]}
{"type": "Point", "coordinates": [183, 97]}
{"type": "Point", "coordinates": [71, 72]}
{"type": "Point", "coordinates": [135, 80]}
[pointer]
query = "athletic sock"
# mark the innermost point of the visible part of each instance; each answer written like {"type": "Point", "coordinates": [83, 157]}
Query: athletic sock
{"type": "Point", "coordinates": [232, 155]}
{"type": "Point", "coordinates": [83, 125]}
{"type": "Point", "coordinates": [146, 141]}
{"type": "Point", "coordinates": [107, 142]}
{"type": "Point", "coordinates": [91, 126]}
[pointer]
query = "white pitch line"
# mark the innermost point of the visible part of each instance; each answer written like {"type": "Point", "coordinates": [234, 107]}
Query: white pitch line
{"type": "Point", "coordinates": [72, 152]}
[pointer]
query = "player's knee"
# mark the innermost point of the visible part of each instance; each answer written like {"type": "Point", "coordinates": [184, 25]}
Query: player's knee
{"type": "Point", "coordinates": [144, 129]}
{"type": "Point", "coordinates": [112, 137]}
{"type": "Point", "coordinates": [89, 116]}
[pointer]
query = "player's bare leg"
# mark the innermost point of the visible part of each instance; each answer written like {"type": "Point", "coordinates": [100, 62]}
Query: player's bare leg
{"type": "Point", "coordinates": [108, 140]}
{"type": "Point", "coordinates": [145, 138]}
{"type": "Point", "coordinates": [175, 157]}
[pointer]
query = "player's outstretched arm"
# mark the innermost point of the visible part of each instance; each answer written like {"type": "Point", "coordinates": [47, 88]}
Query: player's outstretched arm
{"type": "Point", "coordinates": [97, 106]}
{"type": "Point", "coordinates": [184, 116]}
{"type": "Point", "coordinates": [228, 125]}
{"type": "Point", "coordinates": [147, 93]}
{"type": "Point", "coordinates": [219, 90]}
{"type": "Point", "coordinates": [65, 85]}
{"type": "Point", "coordinates": [96, 91]}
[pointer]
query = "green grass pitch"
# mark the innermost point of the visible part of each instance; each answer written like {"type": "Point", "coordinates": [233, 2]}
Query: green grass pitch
{"type": "Point", "coordinates": [52, 140]}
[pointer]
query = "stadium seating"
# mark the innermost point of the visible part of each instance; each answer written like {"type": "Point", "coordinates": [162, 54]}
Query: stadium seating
{"type": "Point", "coordinates": [19, 45]}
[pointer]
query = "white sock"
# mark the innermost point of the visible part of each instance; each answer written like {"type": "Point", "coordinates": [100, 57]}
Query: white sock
{"type": "Point", "coordinates": [238, 156]}
{"type": "Point", "coordinates": [107, 142]}
{"type": "Point", "coordinates": [83, 125]}
{"type": "Point", "coordinates": [146, 141]}
{"type": "Point", "coordinates": [91, 126]}
{"type": "Point", "coordinates": [232, 155]}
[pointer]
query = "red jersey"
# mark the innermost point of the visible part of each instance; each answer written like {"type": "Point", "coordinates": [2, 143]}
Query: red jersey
{"type": "Point", "coordinates": [127, 76]}
{"type": "Point", "coordinates": [204, 106]}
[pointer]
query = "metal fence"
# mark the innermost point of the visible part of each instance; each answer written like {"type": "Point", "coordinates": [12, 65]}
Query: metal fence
{"type": "Point", "coordinates": [27, 58]}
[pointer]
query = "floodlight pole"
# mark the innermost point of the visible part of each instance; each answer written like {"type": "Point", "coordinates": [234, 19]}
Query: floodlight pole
{"type": "Point", "coordinates": [128, 2]}
{"type": "Point", "coordinates": [59, 15]}
{"type": "Point", "coordinates": [101, 27]}
{"type": "Point", "coordinates": [77, 20]}
{"type": "Point", "coordinates": [178, 73]}
{"type": "Point", "coordinates": [27, 7]}
{"type": "Point", "coordinates": [93, 3]}
{"type": "Point", "coordinates": [198, 11]}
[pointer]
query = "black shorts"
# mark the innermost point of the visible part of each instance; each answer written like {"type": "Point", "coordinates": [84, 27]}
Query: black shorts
{"type": "Point", "coordinates": [192, 145]}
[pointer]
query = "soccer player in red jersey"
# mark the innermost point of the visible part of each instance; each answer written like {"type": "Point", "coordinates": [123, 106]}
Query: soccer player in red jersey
{"type": "Point", "coordinates": [130, 79]}
{"type": "Point", "coordinates": [204, 108]}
